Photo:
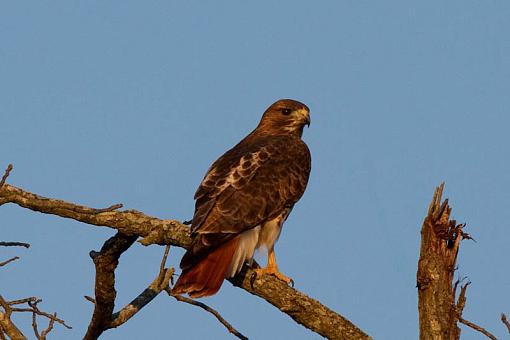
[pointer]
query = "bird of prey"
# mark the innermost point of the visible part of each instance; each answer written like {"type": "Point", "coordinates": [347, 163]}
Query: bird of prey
{"type": "Point", "coordinates": [244, 199]}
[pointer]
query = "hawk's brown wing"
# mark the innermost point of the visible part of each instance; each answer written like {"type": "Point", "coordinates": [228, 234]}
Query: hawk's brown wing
{"type": "Point", "coordinates": [250, 184]}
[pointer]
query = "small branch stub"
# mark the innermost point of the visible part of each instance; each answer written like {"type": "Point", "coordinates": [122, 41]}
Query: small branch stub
{"type": "Point", "coordinates": [6, 174]}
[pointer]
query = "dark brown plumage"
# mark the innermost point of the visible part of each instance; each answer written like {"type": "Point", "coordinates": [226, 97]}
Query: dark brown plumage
{"type": "Point", "coordinates": [244, 199]}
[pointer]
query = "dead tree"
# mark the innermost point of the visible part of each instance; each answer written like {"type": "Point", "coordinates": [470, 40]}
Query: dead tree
{"type": "Point", "coordinates": [439, 307]}
{"type": "Point", "coordinates": [440, 310]}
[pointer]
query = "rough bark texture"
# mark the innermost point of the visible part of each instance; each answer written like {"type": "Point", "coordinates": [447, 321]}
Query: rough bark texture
{"type": "Point", "coordinates": [440, 240]}
{"type": "Point", "coordinates": [106, 261]}
{"type": "Point", "coordinates": [129, 222]}
{"type": "Point", "coordinates": [303, 309]}
{"type": "Point", "coordinates": [306, 311]}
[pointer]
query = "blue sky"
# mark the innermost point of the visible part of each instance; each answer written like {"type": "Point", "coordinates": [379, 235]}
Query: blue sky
{"type": "Point", "coordinates": [107, 102]}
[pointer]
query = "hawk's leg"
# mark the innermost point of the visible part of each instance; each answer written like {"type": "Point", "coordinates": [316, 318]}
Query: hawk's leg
{"type": "Point", "coordinates": [272, 269]}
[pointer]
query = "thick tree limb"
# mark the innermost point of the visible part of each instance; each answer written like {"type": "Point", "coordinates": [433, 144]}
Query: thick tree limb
{"type": "Point", "coordinates": [306, 311]}
{"type": "Point", "coordinates": [128, 222]}
{"type": "Point", "coordinates": [106, 261]}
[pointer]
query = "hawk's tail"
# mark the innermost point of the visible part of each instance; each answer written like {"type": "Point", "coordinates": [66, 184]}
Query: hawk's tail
{"type": "Point", "coordinates": [206, 276]}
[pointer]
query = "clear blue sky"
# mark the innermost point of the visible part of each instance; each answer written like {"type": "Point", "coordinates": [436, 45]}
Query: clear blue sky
{"type": "Point", "coordinates": [105, 102]}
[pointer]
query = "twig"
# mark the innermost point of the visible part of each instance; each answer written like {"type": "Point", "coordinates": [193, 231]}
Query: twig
{"type": "Point", "coordinates": [163, 260]}
{"type": "Point", "coordinates": [205, 307]}
{"type": "Point", "coordinates": [34, 325]}
{"type": "Point", "coordinates": [41, 313]}
{"type": "Point", "coordinates": [6, 174]}
{"type": "Point", "coordinates": [51, 322]}
{"type": "Point", "coordinates": [21, 301]}
{"type": "Point", "coordinates": [90, 298]}
{"type": "Point", "coordinates": [110, 208]}
{"type": "Point", "coordinates": [477, 328]}
{"type": "Point", "coordinates": [14, 244]}
{"type": "Point", "coordinates": [505, 321]}
{"type": "Point", "coordinates": [9, 261]}
{"type": "Point", "coordinates": [49, 328]}
{"type": "Point", "coordinates": [167, 289]}
{"type": "Point", "coordinates": [461, 303]}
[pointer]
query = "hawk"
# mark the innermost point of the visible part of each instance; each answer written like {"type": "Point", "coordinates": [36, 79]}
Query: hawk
{"type": "Point", "coordinates": [244, 199]}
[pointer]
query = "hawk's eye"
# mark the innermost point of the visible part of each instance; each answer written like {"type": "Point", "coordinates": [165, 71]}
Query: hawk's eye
{"type": "Point", "coordinates": [286, 111]}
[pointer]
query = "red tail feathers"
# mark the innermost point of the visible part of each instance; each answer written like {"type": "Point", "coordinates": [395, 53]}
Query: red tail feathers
{"type": "Point", "coordinates": [205, 277]}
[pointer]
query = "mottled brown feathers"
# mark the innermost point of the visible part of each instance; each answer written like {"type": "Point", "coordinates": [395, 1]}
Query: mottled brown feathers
{"type": "Point", "coordinates": [264, 174]}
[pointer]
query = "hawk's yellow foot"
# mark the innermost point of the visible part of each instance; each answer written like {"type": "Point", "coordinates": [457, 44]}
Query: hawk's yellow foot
{"type": "Point", "coordinates": [272, 269]}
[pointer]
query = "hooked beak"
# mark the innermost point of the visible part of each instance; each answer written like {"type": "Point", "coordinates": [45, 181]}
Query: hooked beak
{"type": "Point", "coordinates": [304, 115]}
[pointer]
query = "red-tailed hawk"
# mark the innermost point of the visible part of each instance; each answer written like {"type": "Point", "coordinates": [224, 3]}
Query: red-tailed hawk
{"type": "Point", "coordinates": [245, 198]}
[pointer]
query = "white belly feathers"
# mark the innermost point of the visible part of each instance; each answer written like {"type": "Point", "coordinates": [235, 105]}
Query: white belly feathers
{"type": "Point", "coordinates": [253, 239]}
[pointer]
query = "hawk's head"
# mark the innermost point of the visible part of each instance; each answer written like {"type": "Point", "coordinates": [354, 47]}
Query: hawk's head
{"type": "Point", "coordinates": [286, 116]}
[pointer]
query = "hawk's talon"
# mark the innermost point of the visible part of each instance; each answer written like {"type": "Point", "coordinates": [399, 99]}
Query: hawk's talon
{"type": "Point", "coordinates": [274, 271]}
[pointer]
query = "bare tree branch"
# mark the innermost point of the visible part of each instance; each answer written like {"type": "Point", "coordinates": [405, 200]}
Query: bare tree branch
{"type": "Point", "coordinates": [9, 261]}
{"type": "Point", "coordinates": [461, 303]}
{"type": "Point", "coordinates": [477, 328]}
{"type": "Point", "coordinates": [21, 301]}
{"type": "Point", "coordinates": [6, 174]}
{"type": "Point", "coordinates": [7, 327]}
{"type": "Point", "coordinates": [128, 222]}
{"type": "Point", "coordinates": [34, 326]}
{"type": "Point", "coordinates": [90, 298]}
{"type": "Point", "coordinates": [304, 310]}
{"type": "Point", "coordinates": [205, 307]}
{"type": "Point", "coordinates": [52, 318]}
{"type": "Point", "coordinates": [222, 320]}
{"type": "Point", "coordinates": [505, 322]}
{"type": "Point", "coordinates": [41, 313]}
{"type": "Point", "coordinates": [14, 244]}
{"type": "Point", "coordinates": [105, 262]}
{"type": "Point", "coordinates": [158, 285]}
{"type": "Point", "coordinates": [49, 328]}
